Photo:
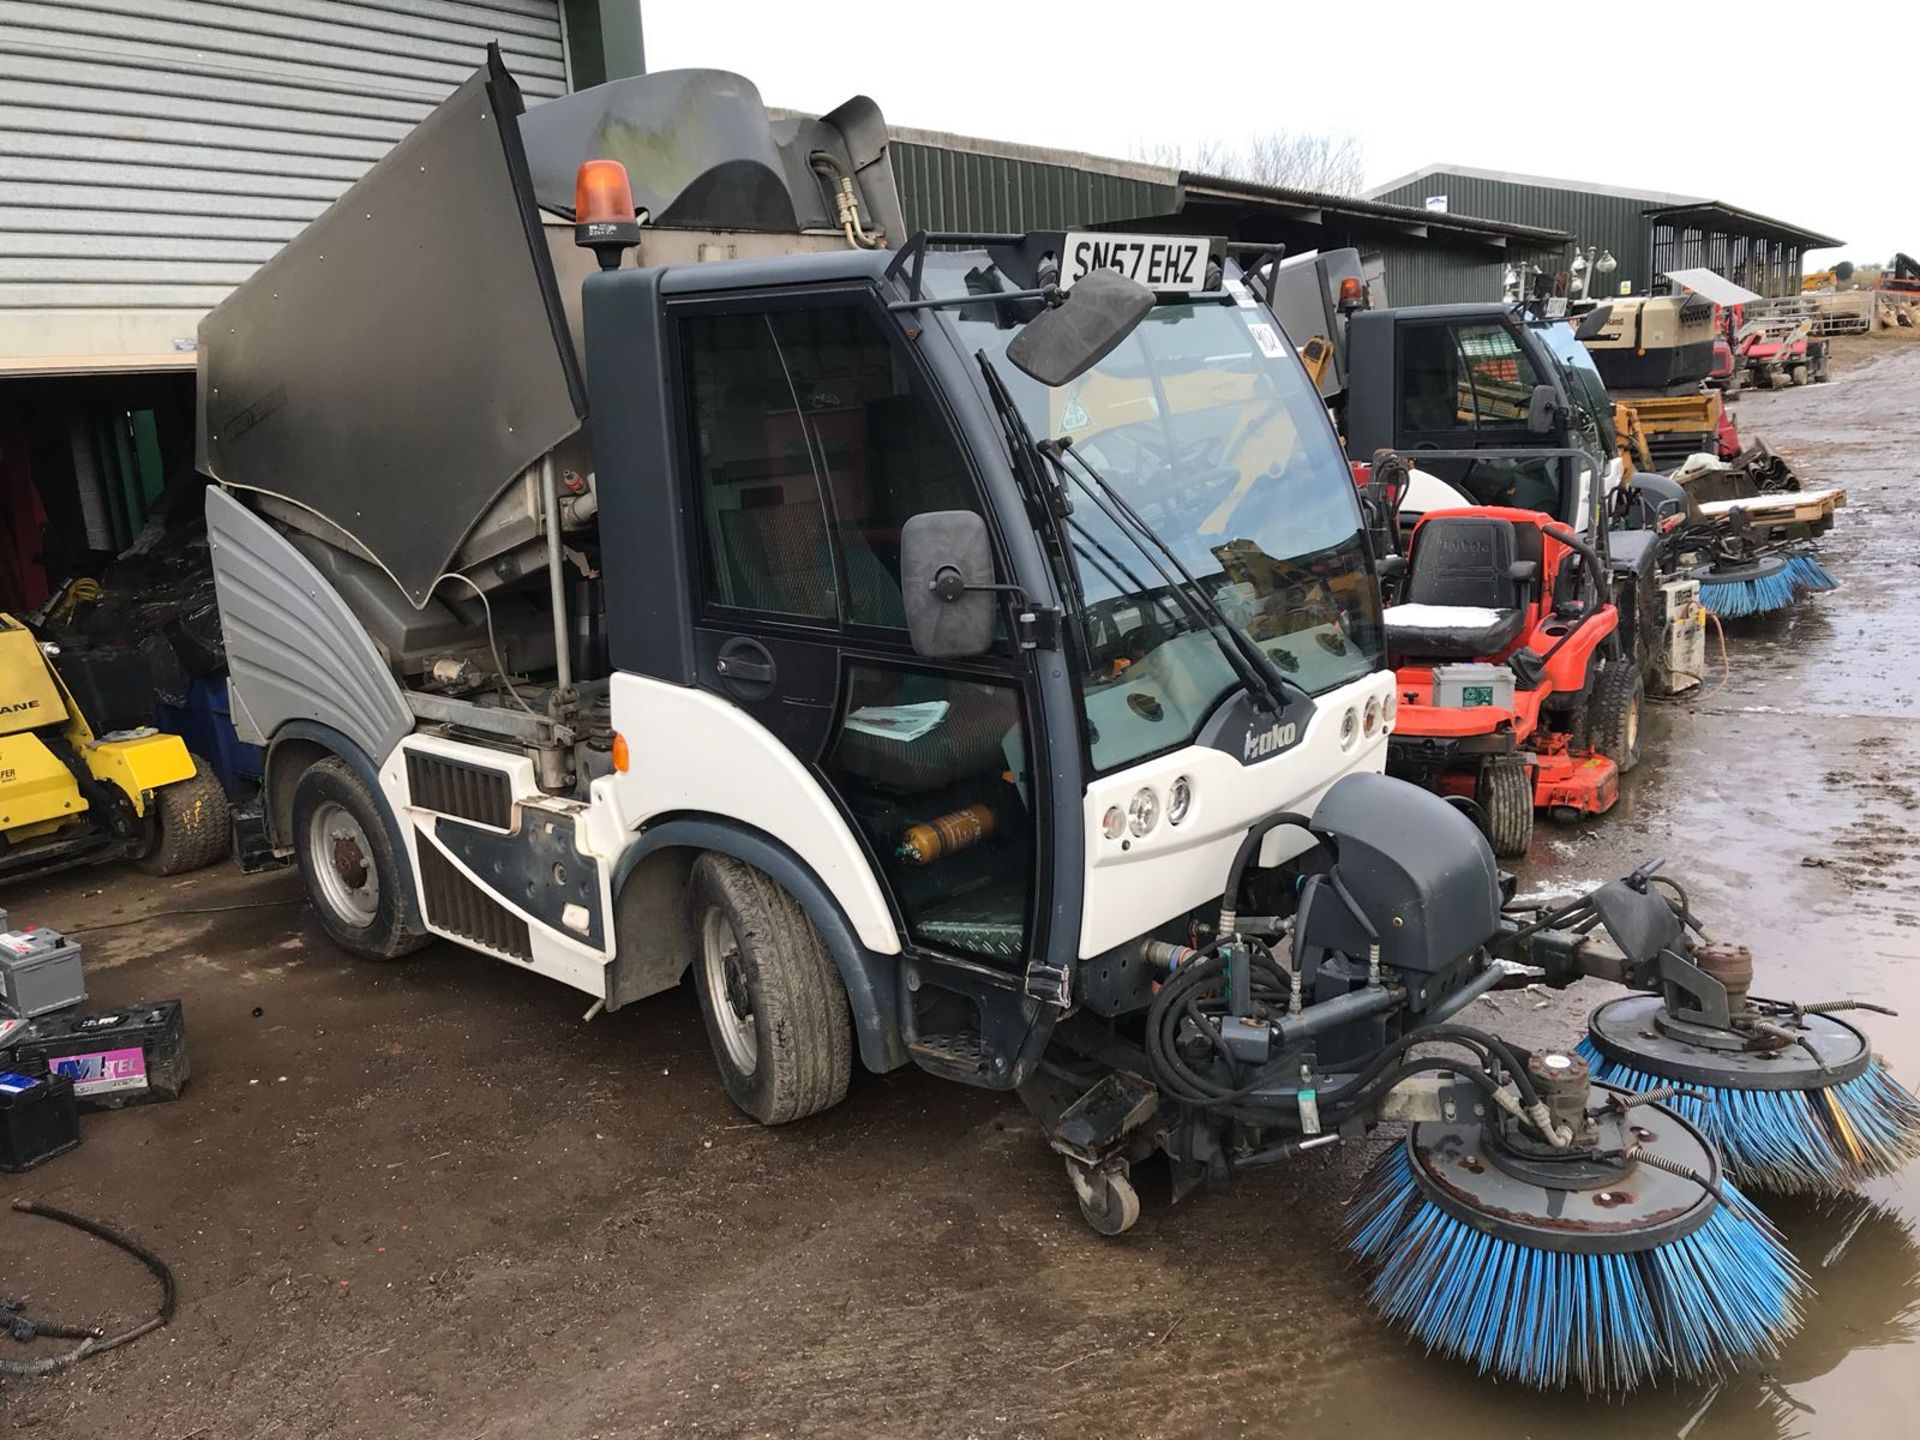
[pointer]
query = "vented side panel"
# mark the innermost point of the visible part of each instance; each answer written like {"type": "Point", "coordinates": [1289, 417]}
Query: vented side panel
{"type": "Point", "coordinates": [460, 907]}
{"type": "Point", "coordinates": [466, 792]}
{"type": "Point", "coordinates": [294, 649]}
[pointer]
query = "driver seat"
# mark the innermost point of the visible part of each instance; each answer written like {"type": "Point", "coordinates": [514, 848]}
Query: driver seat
{"type": "Point", "coordinates": [1466, 590]}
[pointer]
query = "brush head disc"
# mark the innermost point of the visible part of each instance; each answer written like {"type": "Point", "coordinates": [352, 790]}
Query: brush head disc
{"type": "Point", "coordinates": [1582, 1204]}
{"type": "Point", "coordinates": [1636, 1031]}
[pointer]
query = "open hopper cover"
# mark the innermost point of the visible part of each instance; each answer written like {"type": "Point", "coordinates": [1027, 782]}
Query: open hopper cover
{"type": "Point", "coordinates": [405, 356]}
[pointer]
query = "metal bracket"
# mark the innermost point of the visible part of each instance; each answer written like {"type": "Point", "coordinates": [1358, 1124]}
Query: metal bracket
{"type": "Point", "coordinates": [1041, 627]}
{"type": "Point", "coordinates": [1049, 984]}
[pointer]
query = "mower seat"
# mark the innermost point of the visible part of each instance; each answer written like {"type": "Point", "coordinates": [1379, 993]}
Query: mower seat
{"type": "Point", "coordinates": [1465, 596]}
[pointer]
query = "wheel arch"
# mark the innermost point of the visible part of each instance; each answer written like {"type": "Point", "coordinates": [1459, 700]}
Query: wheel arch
{"type": "Point", "coordinates": [297, 745]}
{"type": "Point", "coordinates": [653, 872]}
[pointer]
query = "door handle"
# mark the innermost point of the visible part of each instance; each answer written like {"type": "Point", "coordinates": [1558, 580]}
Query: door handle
{"type": "Point", "coordinates": [746, 668]}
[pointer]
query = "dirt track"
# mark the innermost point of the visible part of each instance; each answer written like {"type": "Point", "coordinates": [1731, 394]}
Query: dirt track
{"type": "Point", "coordinates": [426, 1200]}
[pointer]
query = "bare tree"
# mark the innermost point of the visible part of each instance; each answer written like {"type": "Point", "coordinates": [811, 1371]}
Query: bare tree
{"type": "Point", "coordinates": [1286, 159]}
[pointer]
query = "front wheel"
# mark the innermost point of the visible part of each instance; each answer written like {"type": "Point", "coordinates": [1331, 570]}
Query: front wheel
{"type": "Point", "coordinates": [354, 879]}
{"type": "Point", "coordinates": [1613, 714]}
{"type": "Point", "coordinates": [775, 1010]}
{"type": "Point", "coordinates": [187, 826]}
{"type": "Point", "coordinates": [1505, 797]}
{"type": "Point", "coordinates": [1108, 1201]}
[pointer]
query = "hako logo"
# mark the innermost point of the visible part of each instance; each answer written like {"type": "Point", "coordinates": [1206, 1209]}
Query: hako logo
{"type": "Point", "coordinates": [1270, 741]}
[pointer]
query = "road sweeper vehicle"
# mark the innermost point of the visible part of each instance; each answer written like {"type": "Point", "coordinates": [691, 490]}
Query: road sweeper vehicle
{"type": "Point", "coordinates": [962, 650]}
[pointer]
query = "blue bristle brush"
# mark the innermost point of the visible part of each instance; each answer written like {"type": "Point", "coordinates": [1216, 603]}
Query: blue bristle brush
{"type": "Point", "coordinates": [1809, 574]}
{"type": "Point", "coordinates": [1794, 1099]}
{"type": "Point", "coordinates": [1624, 1309]}
{"type": "Point", "coordinates": [1731, 599]}
{"type": "Point", "coordinates": [1822, 1141]}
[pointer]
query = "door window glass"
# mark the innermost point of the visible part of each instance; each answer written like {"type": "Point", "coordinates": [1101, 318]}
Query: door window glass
{"type": "Point", "coordinates": [884, 452]}
{"type": "Point", "coordinates": [1465, 377]}
{"type": "Point", "coordinates": [1502, 375]}
{"type": "Point", "coordinates": [815, 443]}
{"type": "Point", "coordinates": [934, 769]}
{"type": "Point", "coordinates": [762, 508]}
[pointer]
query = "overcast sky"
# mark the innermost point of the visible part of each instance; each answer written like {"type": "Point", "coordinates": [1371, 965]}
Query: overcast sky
{"type": "Point", "coordinates": [1415, 83]}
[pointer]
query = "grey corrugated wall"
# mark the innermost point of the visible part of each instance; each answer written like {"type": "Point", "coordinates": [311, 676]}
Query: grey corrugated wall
{"type": "Point", "coordinates": [154, 152]}
{"type": "Point", "coordinates": [946, 189]}
{"type": "Point", "coordinates": [1610, 221]}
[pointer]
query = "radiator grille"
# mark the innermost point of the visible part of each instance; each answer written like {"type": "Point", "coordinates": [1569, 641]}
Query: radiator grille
{"type": "Point", "coordinates": [460, 907]}
{"type": "Point", "coordinates": [466, 792]}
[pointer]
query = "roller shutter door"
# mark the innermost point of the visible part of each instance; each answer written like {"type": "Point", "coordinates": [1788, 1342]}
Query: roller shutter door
{"type": "Point", "coordinates": [154, 152]}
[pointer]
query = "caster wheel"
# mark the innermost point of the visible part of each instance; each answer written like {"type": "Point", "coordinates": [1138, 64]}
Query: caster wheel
{"type": "Point", "coordinates": [1108, 1201]}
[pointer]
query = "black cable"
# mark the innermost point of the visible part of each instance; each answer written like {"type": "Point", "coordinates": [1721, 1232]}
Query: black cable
{"type": "Point", "coordinates": [169, 1295]}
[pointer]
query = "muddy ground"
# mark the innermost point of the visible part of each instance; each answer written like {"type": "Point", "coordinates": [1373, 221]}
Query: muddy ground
{"type": "Point", "coordinates": [426, 1200]}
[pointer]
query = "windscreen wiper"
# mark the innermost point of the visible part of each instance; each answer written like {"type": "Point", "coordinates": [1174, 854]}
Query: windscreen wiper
{"type": "Point", "coordinates": [1053, 505]}
{"type": "Point", "coordinates": [1253, 665]}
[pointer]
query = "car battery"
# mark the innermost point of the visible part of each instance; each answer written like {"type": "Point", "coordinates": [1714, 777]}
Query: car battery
{"type": "Point", "coordinates": [1462, 686]}
{"type": "Point", "coordinates": [38, 1119]}
{"type": "Point", "coordinates": [39, 972]}
{"type": "Point", "coordinates": [135, 1055]}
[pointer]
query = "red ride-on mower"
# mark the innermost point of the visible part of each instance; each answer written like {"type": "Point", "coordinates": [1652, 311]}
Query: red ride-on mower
{"type": "Point", "coordinates": [1509, 693]}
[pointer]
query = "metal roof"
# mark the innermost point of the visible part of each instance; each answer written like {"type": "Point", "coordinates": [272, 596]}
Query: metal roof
{"type": "Point", "coordinates": [1424, 221]}
{"type": "Point", "coordinates": [1511, 177]}
{"type": "Point", "coordinates": [1722, 216]}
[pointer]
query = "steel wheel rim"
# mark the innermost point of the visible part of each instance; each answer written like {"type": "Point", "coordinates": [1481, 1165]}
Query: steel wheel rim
{"type": "Point", "coordinates": [728, 997]}
{"type": "Point", "coordinates": [343, 865]}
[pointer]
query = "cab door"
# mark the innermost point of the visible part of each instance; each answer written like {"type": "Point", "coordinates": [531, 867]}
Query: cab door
{"type": "Point", "coordinates": [812, 434]}
{"type": "Point", "coordinates": [1467, 384]}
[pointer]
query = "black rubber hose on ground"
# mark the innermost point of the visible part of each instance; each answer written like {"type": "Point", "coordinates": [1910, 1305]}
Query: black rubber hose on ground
{"type": "Point", "coordinates": [169, 1295]}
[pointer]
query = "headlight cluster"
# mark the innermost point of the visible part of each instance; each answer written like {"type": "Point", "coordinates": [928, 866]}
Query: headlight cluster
{"type": "Point", "coordinates": [1143, 811]}
{"type": "Point", "coordinates": [1349, 728]}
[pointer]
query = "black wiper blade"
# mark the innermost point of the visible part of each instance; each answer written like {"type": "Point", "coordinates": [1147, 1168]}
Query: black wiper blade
{"type": "Point", "coordinates": [1256, 670]}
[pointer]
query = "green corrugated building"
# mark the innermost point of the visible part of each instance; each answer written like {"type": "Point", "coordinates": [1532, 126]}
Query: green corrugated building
{"type": "Point", "coordinates": [1647, 232]}
{"type": "Point", "coordinates": [959, 182]}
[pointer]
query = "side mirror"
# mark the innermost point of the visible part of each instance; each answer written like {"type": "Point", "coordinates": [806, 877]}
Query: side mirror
{"type": "Point", "coordinates": [1063, 342]}
{"type": "Point", "coordinates": [1542, 410]}
{"type": "Point", "coordinates": [946, 584]}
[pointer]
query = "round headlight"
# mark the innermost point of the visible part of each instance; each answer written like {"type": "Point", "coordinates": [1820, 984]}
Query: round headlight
{"type": "Point", "coordinates": [1114, 823]}
{"type": "Point", "coordinates": [1179, 800]}
{"type": "Point", "coordinates": [1370, 719]}
{"type": "Point", "coordinates": [1143, 811]}
{"type": "Point", "coordinates": [1349, 728]}
{"type": "Point", "coordinates": [1389, 708]}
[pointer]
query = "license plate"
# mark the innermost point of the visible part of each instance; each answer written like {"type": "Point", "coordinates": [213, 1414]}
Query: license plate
{"type": "Point", "coordinates": [1159, 262]}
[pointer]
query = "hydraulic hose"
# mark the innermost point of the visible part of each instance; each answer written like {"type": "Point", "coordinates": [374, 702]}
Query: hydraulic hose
{"type": "Point", "coordinates": [1243, 857]}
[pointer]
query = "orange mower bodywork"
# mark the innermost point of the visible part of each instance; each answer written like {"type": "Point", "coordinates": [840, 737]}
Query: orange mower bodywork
{"type": "Point", "coordinates": [1453, 748]}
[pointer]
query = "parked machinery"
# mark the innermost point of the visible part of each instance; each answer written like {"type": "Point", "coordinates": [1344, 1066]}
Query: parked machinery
{"type": "Point", "coordinates": [84, 775]}
{"type": "Point", "coordinates": [993, 679]}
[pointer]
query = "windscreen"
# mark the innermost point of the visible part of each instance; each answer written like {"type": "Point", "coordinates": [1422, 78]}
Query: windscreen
{"type": "Point", "coordinates": [1209, 431]}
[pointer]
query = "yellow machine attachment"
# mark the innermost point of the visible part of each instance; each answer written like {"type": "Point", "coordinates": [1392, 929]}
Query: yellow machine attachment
{"type": "Point", "coordinates": [66, 794]}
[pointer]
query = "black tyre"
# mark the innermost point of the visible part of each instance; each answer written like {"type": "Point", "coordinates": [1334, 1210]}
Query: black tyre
{"type": "Point", "coordinates": [354, 879]}
{"type": "Point", "coordinates": [1799, 375]}
{"type": "Point", "coordinates": [775, 1009]}
{"type": "Point", "coordinates": [1505, 797]}
{"type": "Point", "coordinates": [1614, 712]}
{"type": "Point", "coordinates": [187, 825]}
